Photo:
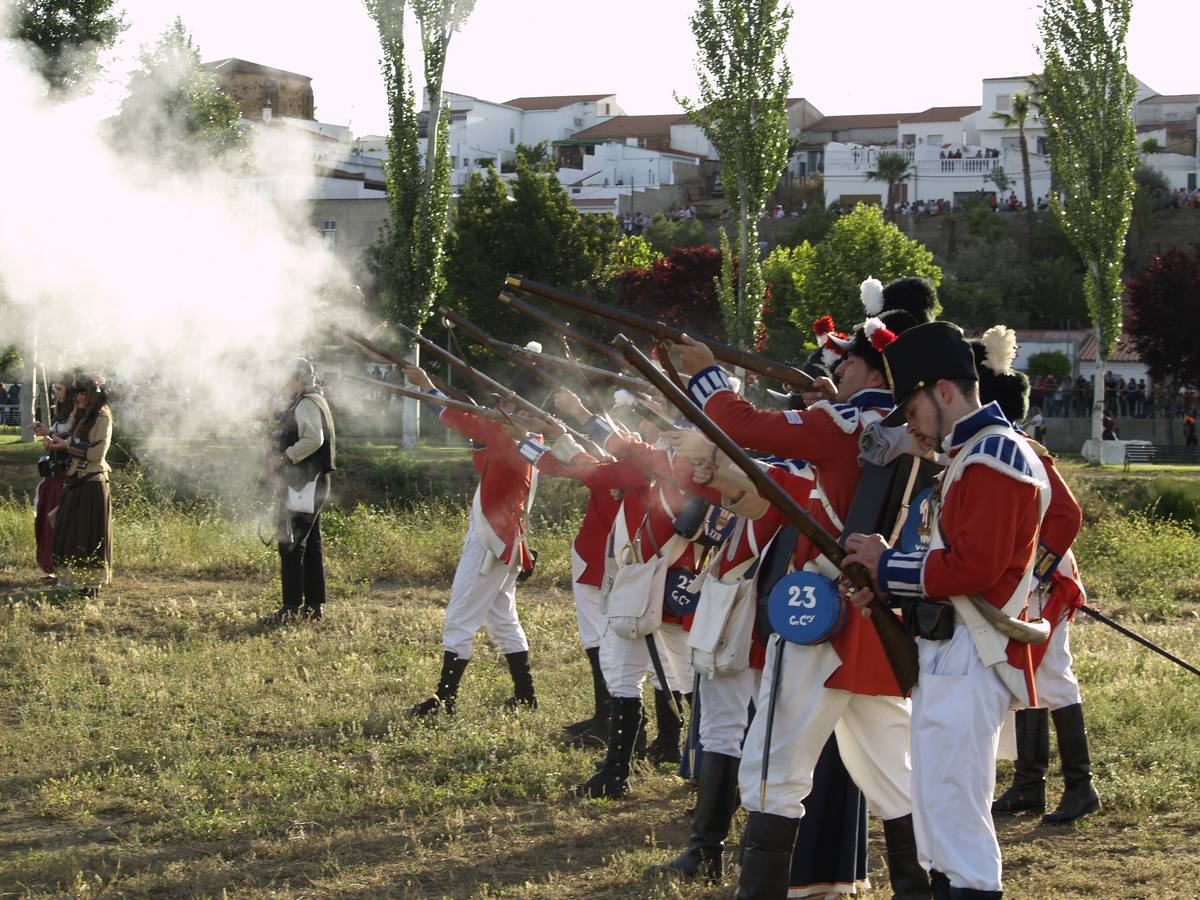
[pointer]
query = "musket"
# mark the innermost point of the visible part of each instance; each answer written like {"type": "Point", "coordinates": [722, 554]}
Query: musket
{"type": "Point", "coordinates": [499, 347]}
{"type": "Point", "coordinates": [504, 392]}
{"type": "Point", "coordinates": [514, 302]}
{"type": "Point", "coordinates": [387, 356]}
{"type": "Point", "coordinates": [482, 412]}
{"type": "Point", "coordinates": [898, 645]}
{"type": "Point", "coordinates": [635, 385]}
{"type": "Point", "coordinates": [752, 362]}
{"type": "Point", "coordinates": [1145, 642]}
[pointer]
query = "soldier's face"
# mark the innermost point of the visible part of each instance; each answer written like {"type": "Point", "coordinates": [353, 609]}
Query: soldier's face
{"type": "Point", "coordinates": [855, 375]}
{"type": "Point", "coordinates": [925, 419]}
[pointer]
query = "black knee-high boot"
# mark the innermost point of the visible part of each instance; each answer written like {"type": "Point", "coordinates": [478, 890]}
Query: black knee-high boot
{"type": "Point", "coordinates": [612, 779]}
{"type": "Point", "coordinates": [522, 677]}
{"type": "Point", "coordinates": [1080, 797]}
{"type": "Point", "coordinates": [716, 802]}
{"type": "Point", "coordinates": [909, 879]}
{"type": "Point", "coordinates": [767, 857]}
{"type": "Point", "coordinates": [593, 731]}
{"type": "Point", "coordinates": [665, 746]}
{"type": "Point", "coordinates": [1028, 791]}
{"type": "Point", "coordinates": [447, 687]}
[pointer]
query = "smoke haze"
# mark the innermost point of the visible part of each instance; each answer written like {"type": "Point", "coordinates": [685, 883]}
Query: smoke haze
{"type": "Point", "coordinates": [191, 290]}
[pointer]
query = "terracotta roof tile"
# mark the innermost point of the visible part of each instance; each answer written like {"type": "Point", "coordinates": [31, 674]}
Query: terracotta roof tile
{"type": "Point", "coordinates": [942, 114]}
{"type": "Point", "coordinates": [554, 102]}
{"type": "Point", "coordinates": [631, 126]}
{"type": "Point", "coordinates": [869, 120]}
{"type": "Point", "coordinates": [1125, 351]}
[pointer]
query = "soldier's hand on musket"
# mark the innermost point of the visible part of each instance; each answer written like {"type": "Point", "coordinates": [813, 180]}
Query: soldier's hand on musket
{"type": "Point", "coordinates": [552, 427]}
{"type": "Point", "coordinates": [823, 388]}
{"type": "Point", "coordinates": [569, 404]}
{"type": "Point", "coordinates": [864, 550]}
{"type": "Point", "coordinates": [40, 430]}
{"type": "Point", "coordinates": [417, 377]}
{"type": "Point", "coordinates": [693, 355]}
{"type": "Point", "coordinates": [691, 445]}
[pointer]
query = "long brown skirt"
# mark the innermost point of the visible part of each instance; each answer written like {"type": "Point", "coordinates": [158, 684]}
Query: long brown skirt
{"type": "Point", "coordinates": [83, 526]}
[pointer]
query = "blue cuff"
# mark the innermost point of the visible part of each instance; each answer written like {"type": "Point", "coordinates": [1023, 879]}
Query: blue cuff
{"type": "Point", "coordinates": [435, 409]}
{"type": "Point", "coordinates": [1045, 563]}
{"type": "Point", "coordinates": [532, 451]}
{"type": "Point", "coordinates": [900, 573]}
{"type": "Point", "coordinates": [708, 382]}
{"type": "Point", "coordinates": [598, 430]}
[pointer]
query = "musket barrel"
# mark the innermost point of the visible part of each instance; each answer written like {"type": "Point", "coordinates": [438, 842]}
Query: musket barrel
{"type": "Point", "coordinates": [514, 302]}
{"type": "Point", "coordinates": [753, 362]}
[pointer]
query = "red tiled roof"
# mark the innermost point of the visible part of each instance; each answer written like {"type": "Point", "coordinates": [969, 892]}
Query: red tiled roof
{"type": "Point", "coordinates": [942, 114]}
{"type": "Point", "coordinates": [631, 126]}
{"type": "Point", "coordinates": [555, 102]}
{"type": "Point", "coordinates": [870, 120]}
{"type": "Point", "coordinates": [1037, 334]}
{"type": "Point", "coordinates": [1125, 351]}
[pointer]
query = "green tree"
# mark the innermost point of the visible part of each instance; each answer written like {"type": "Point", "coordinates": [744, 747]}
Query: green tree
{"type": "Point", "coordinates": [860, 245]}
{"type": "Point", "coordinates": [1049, 362]}
{"type": "Point", "coordinates": [69, 35]}
{"type": "Point", "coordinates": [174, 110]}
{"type": "Point", "coordinates": [664, 234]}
{"type": "Point", "coordinates": [788, 318]}
{"type": "Point", "coordinates": [894, 169]}
{"type": "Point", "coordinates": [1086, 101]}
{"type": "Point", "coordinates": [632, 251]}
{"type": "Point", "coordinates": [1015, 118]}
{"type": "Point", "coordinates": [538, 234]}
{"type": "Point", "coordinates": [408, 259]}
{"type": "Point", "coordinates": [744, 81]}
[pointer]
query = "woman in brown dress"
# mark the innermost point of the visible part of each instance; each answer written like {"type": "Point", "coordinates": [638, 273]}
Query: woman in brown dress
{"type": "Point", "coordinates": [83, 520]}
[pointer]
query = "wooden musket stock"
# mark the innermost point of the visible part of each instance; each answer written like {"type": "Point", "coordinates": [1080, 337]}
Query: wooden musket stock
{"type": "Point", "coordinates": [504, 350]}
{"type": "Point", "coordinates": [898, 645]}
{"type": "Point", "coordinates": [752, 362]}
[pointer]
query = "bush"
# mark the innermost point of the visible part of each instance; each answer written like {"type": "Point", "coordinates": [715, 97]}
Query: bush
{"type": "Point", "coordinates": [1049, 362]}
{"type": "Point", "coordinates": [664, 234]}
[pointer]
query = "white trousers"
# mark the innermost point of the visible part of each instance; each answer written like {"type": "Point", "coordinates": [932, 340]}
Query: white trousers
{"type": "Point", "coordinates": [589, 606]}
{"type": "Point", "coordinates": [478, 599]}
{"type": "Point", "coordinates": [1056, 683]}
{"type": "Point", "coordinates": [958, 708]}
{"type": "Point", "coordinates": [725, 710]}
{"type": "Point", "coordinates": [872, 733]}
{"type": "Point", "coordinates": [625, 662]}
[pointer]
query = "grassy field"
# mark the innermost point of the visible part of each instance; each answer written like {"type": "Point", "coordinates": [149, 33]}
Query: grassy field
{"type": "Point", "coordinates": [160, 741]}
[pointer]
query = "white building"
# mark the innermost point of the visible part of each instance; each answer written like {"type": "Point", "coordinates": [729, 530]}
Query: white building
{"type": "Point", "coordinates": [955, 151]}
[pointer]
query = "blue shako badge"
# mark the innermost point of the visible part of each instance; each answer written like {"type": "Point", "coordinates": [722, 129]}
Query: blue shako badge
{"type": "Point", "coordinates": [805, 608]}
{"type": "Point", "coordinates": [677, 599]}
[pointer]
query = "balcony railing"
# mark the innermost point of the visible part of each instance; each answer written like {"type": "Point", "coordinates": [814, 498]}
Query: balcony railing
{"type": "Point", "coordinates": [857, 162]}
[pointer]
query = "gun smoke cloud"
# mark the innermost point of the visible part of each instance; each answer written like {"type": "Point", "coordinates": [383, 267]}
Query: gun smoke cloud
{"type": "Point", "coordinates": [191, 288]}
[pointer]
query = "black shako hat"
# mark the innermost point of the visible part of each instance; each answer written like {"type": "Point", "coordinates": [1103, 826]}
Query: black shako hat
{"type": "Point", "coordinates": [1009, 389]}
{"type": "Point", "coordinates": [922, 356]}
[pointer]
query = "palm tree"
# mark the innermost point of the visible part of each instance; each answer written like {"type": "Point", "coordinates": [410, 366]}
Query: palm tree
{"type": "Point", "coordinates": [893, 168]}
{"type": "Point", "coordinates": [1016, 119]}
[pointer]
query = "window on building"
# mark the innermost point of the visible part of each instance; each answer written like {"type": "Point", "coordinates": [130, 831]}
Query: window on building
{"type": "Point", "coordinates": [578, 122]}
{"type": "Point", "coordinates": [512, 135]}
{"type": "Point", "coordinates": [329, 232]}
{"type": "Point", "coordinates": [589, 150]}
{"type": "Point", "coordinates": [641, 142]}
{"type": "Point", "coordinates": [908, 140]}
{"type": "Point", "coordinates": [1003, 102]}
{"type": "Point", "coordinates": [606, 109]}
{"type": "Point", "coordinates": [1041, 146]}
{"type": "Point", "coordinates": [934, 140]}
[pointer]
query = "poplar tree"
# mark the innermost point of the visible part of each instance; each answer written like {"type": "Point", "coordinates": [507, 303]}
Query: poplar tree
{"type": "Point", "coordinates": [744, 81]}
{"type": "Point", "coordinates": [407, 260]}
{"type": "Point", "coordinates": [1085, 98]}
